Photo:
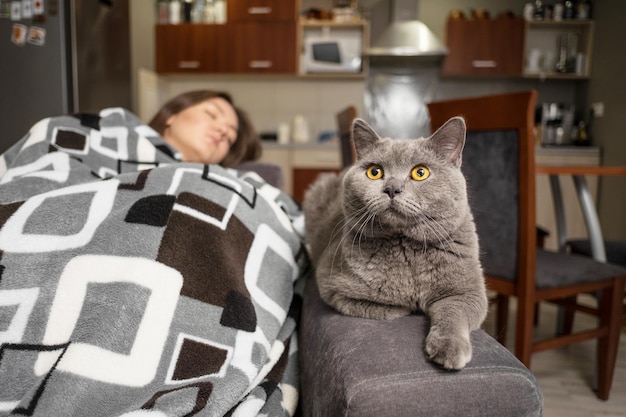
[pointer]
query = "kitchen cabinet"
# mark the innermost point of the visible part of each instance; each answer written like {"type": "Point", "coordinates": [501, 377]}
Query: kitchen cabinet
{"type": "Point", "coordinates": [259, 36]}
{"type": "Point", "coordinates": [192, 48]}
{"type": "Point", "coordinates": [263, 48]}
{"type": "Point", "coordinates": [513, 47]}
{"type": "Point", "coordinates": [484, 47]}
{"type": "Point", "coordinates": [262, 10]}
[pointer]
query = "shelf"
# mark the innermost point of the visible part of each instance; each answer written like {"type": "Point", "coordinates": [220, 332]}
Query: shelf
{"type": "Point", "coordinates": [560, 23]}
{"type": "Point", "coordinates": [554, 76]}
{"type": "Point", "coordinates": [542, 39]}
{"type": "Point", "coordinates": [331, 23]}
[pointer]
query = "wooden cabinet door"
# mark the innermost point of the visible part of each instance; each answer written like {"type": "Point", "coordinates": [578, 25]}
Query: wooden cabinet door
{"type": "Point", "coordinates": [261, 10]}
{"type": "Point", "coordinates": [484, 46]}
{"type": "Point", "coordinates": [303, 178]}
{"type": "Point", "coordinates": [508, 45]}
{"type": "Point", "coordinates": [263, 47]}
{"type": "Point", "coordinates": [191, 48]}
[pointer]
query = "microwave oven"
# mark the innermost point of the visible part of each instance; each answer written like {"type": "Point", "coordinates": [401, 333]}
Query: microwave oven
{"type": "Point", "coordinates": [338, 50]}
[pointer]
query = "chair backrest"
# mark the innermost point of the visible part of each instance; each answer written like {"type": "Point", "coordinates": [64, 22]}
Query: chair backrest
{"type": "Point", "coordinates": [499, 165]}
{"type": "Point", "coordinates": [344, 127]}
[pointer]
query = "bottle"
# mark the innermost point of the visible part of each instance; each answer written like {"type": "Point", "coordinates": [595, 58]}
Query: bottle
{"type": "Point", "coordinates": [209, 11]}
{"type": "Point", "coordinates": [557, 12]}
{"type": "Point", "coordinates": [187, 6]}
{"type": "Point", "coordinates": [583, 9]}
{"type": "Point", "coordinates": [197, 14]}
{"type": "Point", "coordinates": [568, 10]}
{"type": "Point", "coordinates": [540, 10]}
{"type": "Point", "coordinates": [220, 11]}
{"type": "Point", "coordinates": [582, 138]}
{"type": "Point", "coordinates": [174, 12]}
{"type": "Point", "coordinates": [162, 11]}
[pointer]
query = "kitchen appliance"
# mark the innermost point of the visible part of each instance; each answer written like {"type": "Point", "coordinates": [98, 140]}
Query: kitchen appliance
{"type": "Point", "coordinates": [59, 57]}
{"type": "Point", "coordinates": [557, 122]}
{"type": "Point", "coordinates": [404, 63]}
{"type": "Point", "coordinates": [332, 50]}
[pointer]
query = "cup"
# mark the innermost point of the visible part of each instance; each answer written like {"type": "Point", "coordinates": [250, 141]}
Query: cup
{"type": "Point", "coordinates": [558, 12]}
{"type": "Point", "coordinates": [300, 129]}
{"type": "Point", "coordinates": [283, 134]}
{"type": "Point", "coordinates": [534, 61]}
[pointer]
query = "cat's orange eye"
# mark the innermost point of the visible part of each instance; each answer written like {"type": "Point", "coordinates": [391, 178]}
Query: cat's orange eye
{"type": "Point", "coordinates": [374, 172]}
{"type": "Point", "coordinates": [420, 173]}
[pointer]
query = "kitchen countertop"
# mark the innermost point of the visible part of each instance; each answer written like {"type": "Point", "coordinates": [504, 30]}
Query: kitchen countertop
{"type": "Point", "coordinates": [567, 150]}
{"type": "Point", "coordinates": [310, 145]}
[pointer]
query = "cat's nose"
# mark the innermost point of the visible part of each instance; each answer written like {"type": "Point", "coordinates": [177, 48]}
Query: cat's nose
{"type": "Point", "coordinates": [392, 190]}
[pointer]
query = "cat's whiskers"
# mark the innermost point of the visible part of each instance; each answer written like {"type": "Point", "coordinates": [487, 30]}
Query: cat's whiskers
{"type": "Point", "coordinates": [441, 233]}
{"type": "Point", "coordinates": [355, 219]}
{"type": "Point", "coordinates": [368, 221]}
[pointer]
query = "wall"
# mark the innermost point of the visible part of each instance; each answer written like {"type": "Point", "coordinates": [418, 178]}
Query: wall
{"type": "Point", "coordinates": [608, 86]}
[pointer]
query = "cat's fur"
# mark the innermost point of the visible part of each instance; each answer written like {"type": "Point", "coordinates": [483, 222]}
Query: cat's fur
{"type": "Point", "coordinates": [386, 248]}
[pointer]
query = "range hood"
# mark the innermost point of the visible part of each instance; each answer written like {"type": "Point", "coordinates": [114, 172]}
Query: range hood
{"type": "Point", "coordinates": [406, 36]}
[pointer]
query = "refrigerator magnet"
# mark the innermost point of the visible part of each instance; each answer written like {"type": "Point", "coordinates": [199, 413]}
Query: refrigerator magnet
{"type": "Point", "coordinates": [36, 36]}
{"type": "Point", "coordinates": [16, 10]}
{"type": "Point", "coordinates": [38, 7]}
{"type": "Point", "coordinates": [27, 9]}
{"type": "Point", "coordinates": [18, 34]}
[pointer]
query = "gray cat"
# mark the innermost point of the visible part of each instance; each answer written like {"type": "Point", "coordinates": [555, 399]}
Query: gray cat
{"type": "Point", "coordinates": [394, 234]}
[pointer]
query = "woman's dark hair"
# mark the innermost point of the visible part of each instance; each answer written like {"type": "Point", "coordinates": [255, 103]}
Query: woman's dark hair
{"type": "Point", "coordinates": [247, 147]}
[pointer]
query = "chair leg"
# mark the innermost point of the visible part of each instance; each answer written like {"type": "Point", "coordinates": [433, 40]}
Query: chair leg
{"type": "Point", "coordinates": [611, 315]}
{"type": "Point", "coordinates": [502, 317]}
{"type": "Point", "coordinates": [524, 330]}
{"type": "Point", "coordinates": [565, 318]}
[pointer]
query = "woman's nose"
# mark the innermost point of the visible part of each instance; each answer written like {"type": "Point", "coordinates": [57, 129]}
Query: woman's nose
{"type": "Point", "coordinates": [221, 129]}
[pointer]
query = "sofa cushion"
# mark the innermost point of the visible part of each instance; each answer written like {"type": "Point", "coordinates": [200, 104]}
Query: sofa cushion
{"type": "Point", "coordinates": [361, 367]}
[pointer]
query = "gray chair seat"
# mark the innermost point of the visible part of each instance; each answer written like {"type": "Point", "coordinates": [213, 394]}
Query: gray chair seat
{"type": "Point", "coordinates": [615, 249]}
{"type": "Point", "coordinates": [553, 272]}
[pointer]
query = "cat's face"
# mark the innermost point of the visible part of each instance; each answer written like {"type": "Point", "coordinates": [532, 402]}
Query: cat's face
{"type": "Point", "coordinates": [410, 187]}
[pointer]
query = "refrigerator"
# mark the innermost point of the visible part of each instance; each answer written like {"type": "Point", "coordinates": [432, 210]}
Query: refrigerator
{"type": "Point", "coordinates": [61, 57]}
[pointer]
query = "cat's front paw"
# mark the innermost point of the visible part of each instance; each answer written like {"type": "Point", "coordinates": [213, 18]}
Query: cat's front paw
{"type": "Point", "coordinates": [452, 350]}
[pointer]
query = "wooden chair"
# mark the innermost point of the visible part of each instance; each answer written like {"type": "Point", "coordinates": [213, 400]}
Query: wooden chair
{"type": "Point", "coordinates": [595, 245]}
{"type": "Point", "coordinates": [499, 164]}
{"type": "Point", "coordinates": [344, 127]}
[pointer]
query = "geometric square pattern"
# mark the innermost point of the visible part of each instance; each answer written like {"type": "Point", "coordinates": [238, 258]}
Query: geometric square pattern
{"type": "Point", "coordinates": [73, 141]}
{"type": "Point", "coordinates": [195, 358]}
{"type": "Point", "coordinates": [85, 358]}
{"type": "Point", "coordinates": [24, 299]}
{"type": "Point", "coordinates": [15, 238]}
{"type": "Point", "coordinates": [53, 166]}
{"type": "Point", "coordinates": [24, 380]}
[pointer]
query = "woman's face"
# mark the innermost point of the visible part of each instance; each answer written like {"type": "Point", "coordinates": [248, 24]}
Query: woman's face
{"type": "Point", "coordinates": [203, 132]}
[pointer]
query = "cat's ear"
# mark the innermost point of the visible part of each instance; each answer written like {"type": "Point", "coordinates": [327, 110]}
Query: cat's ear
{"type": "Point", "coordinates": [363, 137]}
{"type": "Point", "coordinates": [449, 139]}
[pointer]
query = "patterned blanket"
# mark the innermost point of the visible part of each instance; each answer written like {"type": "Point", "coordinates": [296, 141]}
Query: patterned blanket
{"type": "Point", "coordinates": [132, 284]}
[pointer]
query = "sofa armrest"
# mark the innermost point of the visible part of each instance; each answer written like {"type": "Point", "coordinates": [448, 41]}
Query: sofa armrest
{"type": "Point", "coordinates": [361, 367]}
